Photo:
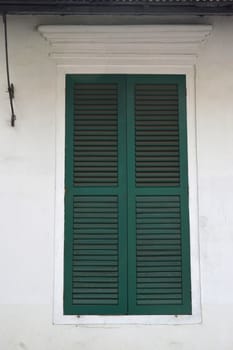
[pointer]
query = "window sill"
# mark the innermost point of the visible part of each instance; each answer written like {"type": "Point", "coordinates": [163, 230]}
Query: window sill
{"type": "Point", "coordinates": [127, 320]}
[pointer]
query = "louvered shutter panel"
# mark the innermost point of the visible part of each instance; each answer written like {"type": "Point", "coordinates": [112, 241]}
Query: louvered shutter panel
{"type": "Point", "coordinates": [159, 267]}
{"type": "Point", "coordinates": [95, 253]}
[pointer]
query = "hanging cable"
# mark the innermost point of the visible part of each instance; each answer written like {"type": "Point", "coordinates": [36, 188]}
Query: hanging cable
{"type": "Point", "coordinates": [10, 86]}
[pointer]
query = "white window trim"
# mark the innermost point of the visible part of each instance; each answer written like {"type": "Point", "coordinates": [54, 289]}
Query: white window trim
{"type": "Point", "coordinates": [86, 58]}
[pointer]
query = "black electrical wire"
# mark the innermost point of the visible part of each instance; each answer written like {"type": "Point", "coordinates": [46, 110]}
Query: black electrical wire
{"type": "Point", "coordinates": [10, 86]}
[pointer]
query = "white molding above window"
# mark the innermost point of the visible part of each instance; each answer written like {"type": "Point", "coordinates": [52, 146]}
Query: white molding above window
{"type": "Point", "coordinates": [170, 49]}
{"type": "Point", "coordinates": [165, 43]}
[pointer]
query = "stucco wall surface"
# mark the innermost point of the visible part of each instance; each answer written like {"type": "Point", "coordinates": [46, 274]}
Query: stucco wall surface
{"type": "Point", "coordinates": [27, 188]}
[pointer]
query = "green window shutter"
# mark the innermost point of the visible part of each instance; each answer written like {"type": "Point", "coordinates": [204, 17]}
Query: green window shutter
{"type": "Point", "coordinates": [159, 266]}
{"type": "Point", "coordinates": [126, 203]}
{"type": "Point", "coordinates": [95, 215]}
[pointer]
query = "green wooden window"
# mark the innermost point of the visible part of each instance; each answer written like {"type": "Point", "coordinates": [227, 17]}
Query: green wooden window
{"type": "Point", "coordinates": [126, 199]}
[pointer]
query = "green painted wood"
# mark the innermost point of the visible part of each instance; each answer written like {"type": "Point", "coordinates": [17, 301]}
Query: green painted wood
{"type": "Point", "coordinates": [95, 277]}
{"type": "Point", "coordinates": [126, 219]}
{"type": "Point", "coordinates": [158, 228]}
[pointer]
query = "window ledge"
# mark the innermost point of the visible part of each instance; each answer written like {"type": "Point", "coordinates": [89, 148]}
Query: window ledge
{"type": "Point", "coordinates": [128, 320]}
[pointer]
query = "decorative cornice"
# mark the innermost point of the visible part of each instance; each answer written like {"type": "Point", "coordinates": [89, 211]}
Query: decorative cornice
{"type": "Point", "coordinates": [177, 42]}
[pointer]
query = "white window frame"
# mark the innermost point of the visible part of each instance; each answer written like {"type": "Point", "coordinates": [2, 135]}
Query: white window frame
{"type": "Point", "coordinates": [79, 50]}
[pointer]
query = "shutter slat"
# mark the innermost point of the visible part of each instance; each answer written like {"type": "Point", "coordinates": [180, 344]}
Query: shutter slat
{"type": "Point", "coordinates": [152, 264]}
{"type": "Point", "coordinates": [97, 290]}
{"type": "Point", "coordinates": [88, 302]}
{"type": "Point", "coordinates": [94, 263]}
{"type": "Point", "coordinates": [89, 285]}
{"type": "Point", "coordinates": [97, 258]}
{"type": "Point", "coordinates": [168, 279]}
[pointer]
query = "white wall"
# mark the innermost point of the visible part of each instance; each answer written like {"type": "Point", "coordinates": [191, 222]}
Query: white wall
{"type": "Point", "coordinates": [27, 170]}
